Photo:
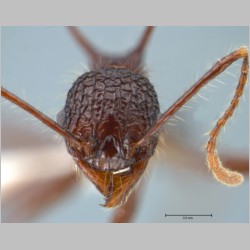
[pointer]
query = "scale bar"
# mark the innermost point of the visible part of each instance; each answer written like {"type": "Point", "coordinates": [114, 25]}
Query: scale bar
{"type": "Point", "coordinates": [191, 215]}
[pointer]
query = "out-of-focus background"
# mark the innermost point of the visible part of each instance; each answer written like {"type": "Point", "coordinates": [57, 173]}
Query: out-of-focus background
{"type": "Point", "coordinates": [39, 65]}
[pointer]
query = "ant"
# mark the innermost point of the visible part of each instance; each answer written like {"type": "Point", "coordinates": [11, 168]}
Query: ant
{"type": "Point", "coordinates": [98, 151]}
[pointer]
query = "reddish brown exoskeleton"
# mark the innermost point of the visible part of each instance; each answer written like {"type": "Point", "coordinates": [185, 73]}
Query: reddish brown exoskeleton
{"type": "Point", "coordinates": [111, 119]}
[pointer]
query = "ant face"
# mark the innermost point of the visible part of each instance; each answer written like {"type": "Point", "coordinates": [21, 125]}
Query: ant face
{"type": "Point", "coordinates": [109, 110]}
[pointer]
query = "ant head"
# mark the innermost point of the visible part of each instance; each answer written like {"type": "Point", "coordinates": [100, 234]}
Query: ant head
{"type": "Point", "coordinates": [109, 111]}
